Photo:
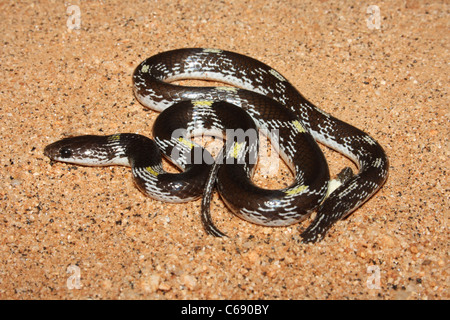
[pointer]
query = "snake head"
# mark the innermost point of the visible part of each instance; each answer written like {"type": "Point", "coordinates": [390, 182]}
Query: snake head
{"type": "Point", "coordinates": [88, 150]}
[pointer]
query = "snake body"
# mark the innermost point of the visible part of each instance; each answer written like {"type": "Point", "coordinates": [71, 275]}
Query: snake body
{"type": "Point", "coordinates": [272, 103]}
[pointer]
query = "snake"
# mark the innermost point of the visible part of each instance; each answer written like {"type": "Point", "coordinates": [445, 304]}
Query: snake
{"type": "Point", "coordinates": [254, 97]}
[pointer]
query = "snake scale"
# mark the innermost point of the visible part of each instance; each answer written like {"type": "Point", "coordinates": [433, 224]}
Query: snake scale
{"type": "Point", "coordinates": [259, 99]}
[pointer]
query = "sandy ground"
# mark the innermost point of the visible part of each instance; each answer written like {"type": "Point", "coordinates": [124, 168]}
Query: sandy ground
{"type": "Point", "coordinates": [70, 232]}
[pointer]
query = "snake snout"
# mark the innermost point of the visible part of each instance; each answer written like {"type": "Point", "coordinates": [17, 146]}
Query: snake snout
{"type": "Point", "coordinates": [49, 151]}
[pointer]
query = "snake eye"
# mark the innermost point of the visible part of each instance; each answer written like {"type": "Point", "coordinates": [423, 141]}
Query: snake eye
{"type": "Point", "coordinates": [65, 153]}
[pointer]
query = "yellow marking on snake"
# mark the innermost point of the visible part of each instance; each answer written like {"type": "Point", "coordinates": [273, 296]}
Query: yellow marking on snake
{"type": "Point", "coordinates": [187, 143]}
{"type": "Point", "coordinates": [202, 103]}
{"type": "Point", "coordinates": [212, 50]}
{"type": "Point", "coordinates": [151, 171]}
{"type": "Point", "coordinates": [332, 185]}
{"type": "Point", "coordinates": [296, 190]}
{"type": "Point", "coordinates": [145, 68]}
{"type": "Point", "coordinates": [114, 137]}
{"type": "Point", "coordinates": [234, 152]}
{"type": "Point", "coordinates": [277, 75]}
{"type": "Point", "coordinates": [298, 126]}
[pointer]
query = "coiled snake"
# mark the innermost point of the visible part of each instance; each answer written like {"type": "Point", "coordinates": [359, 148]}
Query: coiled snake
{"type": "Point", "coordinates": [261, 98]}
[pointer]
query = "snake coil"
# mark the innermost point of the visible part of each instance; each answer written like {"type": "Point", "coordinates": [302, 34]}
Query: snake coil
{"type": "Point", "coordinates": [260, 99]}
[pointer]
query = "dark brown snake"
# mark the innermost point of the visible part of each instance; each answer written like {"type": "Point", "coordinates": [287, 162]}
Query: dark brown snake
{"type": "Point", "coordinates": [260, 99]}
